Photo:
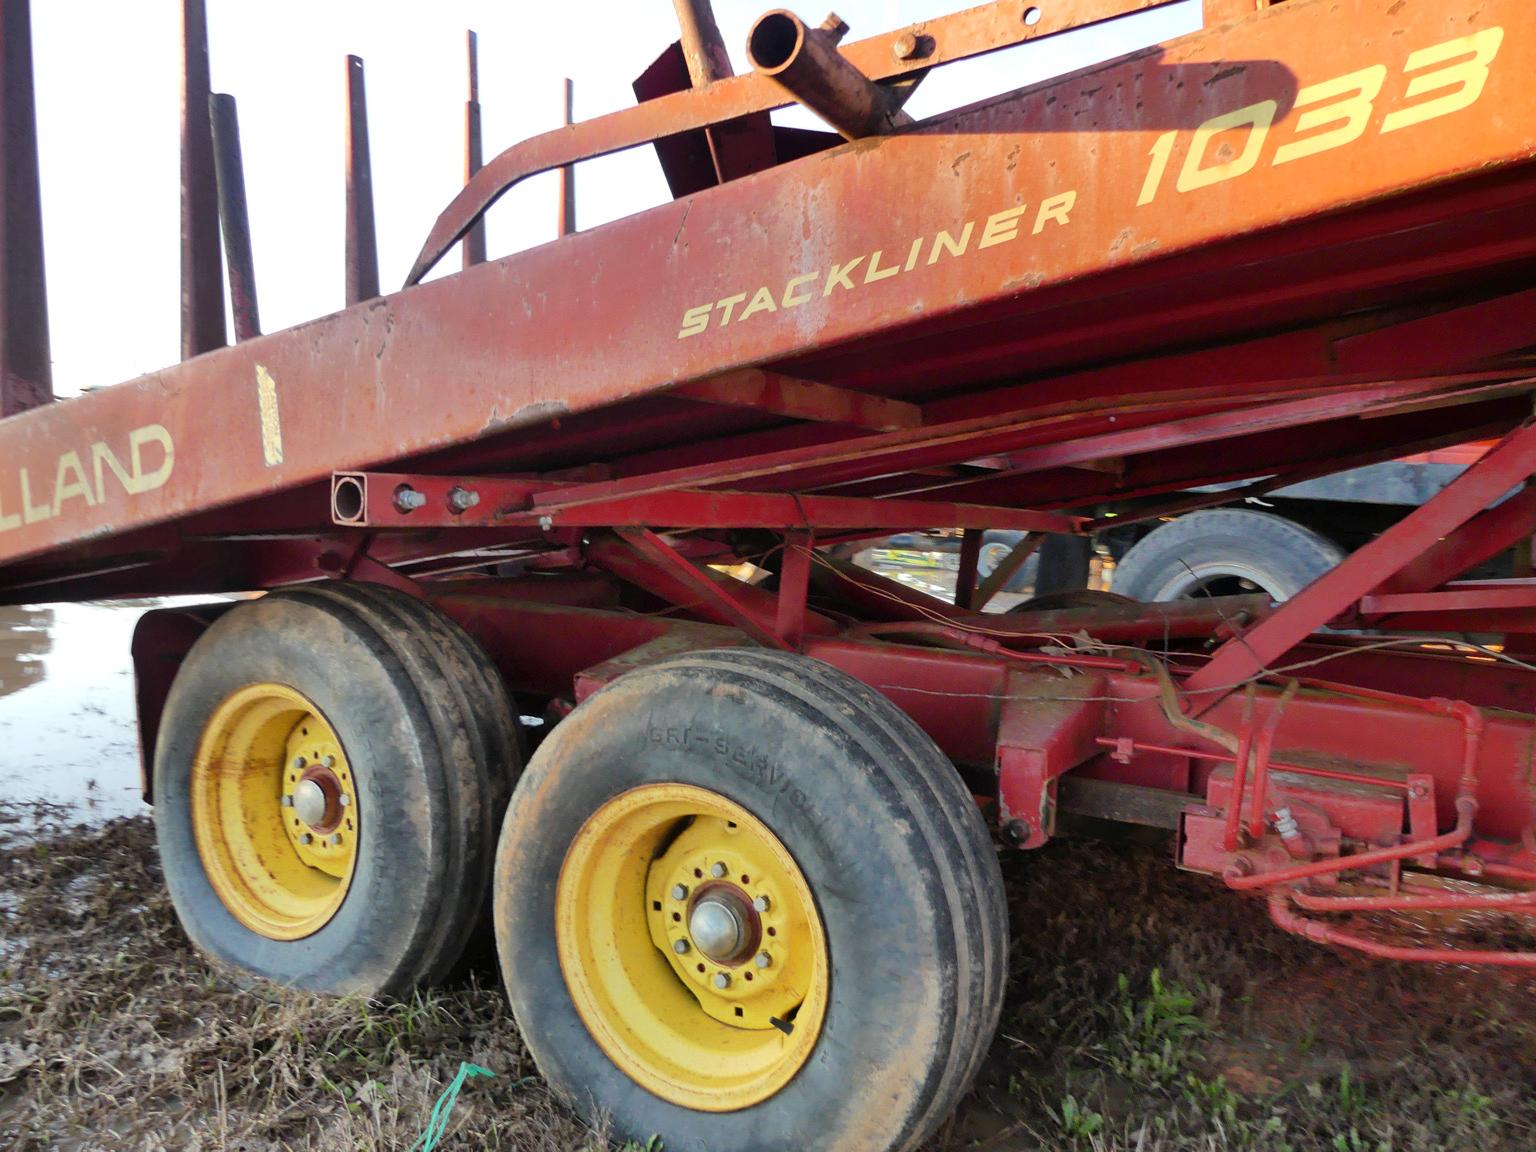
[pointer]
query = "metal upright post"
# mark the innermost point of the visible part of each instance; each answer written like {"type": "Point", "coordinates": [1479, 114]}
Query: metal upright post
{"type": "Point", "coordinates": [202, 269]}
{"type": "Point", "coordinates": [474, 239]}
{"type": "Point", "coordinates": [236, 219]}
{"type": "Point", "coordinates": [26, 370]}
{"type": "Point", "coordinates": [362, 242]}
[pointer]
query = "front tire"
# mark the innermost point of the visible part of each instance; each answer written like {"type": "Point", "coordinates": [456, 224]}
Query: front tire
{"type": "Point", "coordinates": [797, 800]}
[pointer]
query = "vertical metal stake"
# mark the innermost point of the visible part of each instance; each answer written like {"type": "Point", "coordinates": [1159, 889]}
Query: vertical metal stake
{"type": "Point", "coordinates": [794, 585]}
{"type": "Point", "coordinates": [362, 242]}
{"type": "Point", "coordinates": [474, 239]}
{"type": "Point", "coordinates": [568, 171]}
{"type": "Point", "coordinates": [236, 220]}
{"type": "Point", "coordinates": [970, 558]}
{"type": "Point", "coordinates": [202, 269]}
{"type": "Point", "coordinates": [26, 369]}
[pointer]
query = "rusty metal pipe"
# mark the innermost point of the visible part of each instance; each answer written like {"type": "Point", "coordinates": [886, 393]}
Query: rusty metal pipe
{"type": "Point", "coordinates": [26, 369]}
{"type": "Point", "coordinates": [202, 268]}
{"type": "Point", "coordinates": [235, 217]}
{"type": "Point", "coordinates": [703, 46]}
{"type": "Point", "coordinates": [474, 239]}
{"type": "Point", "coordinates": [806, 63]}
{"type": "Point", "coordinates": [1282, 916]}
{"type": "Point", "coordinates": [362, 240]}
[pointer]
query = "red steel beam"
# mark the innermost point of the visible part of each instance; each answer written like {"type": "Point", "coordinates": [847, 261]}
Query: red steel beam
{"type": "Point", "coordinates": [1331, 596]}
{"type": "Point", "coordinates": [408, 500]}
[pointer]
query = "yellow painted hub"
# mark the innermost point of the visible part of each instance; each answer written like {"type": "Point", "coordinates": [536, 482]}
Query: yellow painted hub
{"type": "Point", "coordinates": [274, 811]}
{"type": "Point", "coordinates": [710, 1026]}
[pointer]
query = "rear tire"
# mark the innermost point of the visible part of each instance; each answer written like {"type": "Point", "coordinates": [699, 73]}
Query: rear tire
{"type": "Point", "coordinates": [417, 734]}
{"type": "Point", "coordinates": [1224, 552]}
{"type": "Point", "coordinates": [895, 870]}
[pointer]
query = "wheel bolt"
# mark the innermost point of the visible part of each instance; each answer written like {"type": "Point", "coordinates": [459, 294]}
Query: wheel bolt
{"type": "Point", "coordinates": [760, 904]}
{"type": "Point", "coordinates": [344, 800]}
{"type": "Point", "coordinates": [329, 761]}
{"type": "Point", "coordinates": [721, 980]}
{"type": "Point", "coordinates": [763, 959]}
{"type": "Point", "coordinates": [306, 838]}
{"type": "Point", "coordinates": [335, 837]}
{"type": "Point", "coordinates": [680, 947]}
{"type": "Point", "coordinates": [286, 801]}
{"type": "Point", "coordinates": [679, 891]}
{"type": "Point", "coordinates": [717, 869]}
{"type": "Point", "coordinates": [299, 762]}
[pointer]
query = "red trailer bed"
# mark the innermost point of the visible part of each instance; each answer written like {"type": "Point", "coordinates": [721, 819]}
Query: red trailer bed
{"type": "Point", "coordinates": [743, 897]}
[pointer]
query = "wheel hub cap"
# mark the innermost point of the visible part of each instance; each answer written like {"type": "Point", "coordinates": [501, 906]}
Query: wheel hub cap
{"type": "Point", "coordinates": [718, 928]}
{"type": "Point", "coordinates": [309, 803]}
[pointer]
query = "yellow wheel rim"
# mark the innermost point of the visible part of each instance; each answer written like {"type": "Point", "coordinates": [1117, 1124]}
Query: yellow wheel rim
{"type": "Point", "coordinates": [692, 947]}
{"type": "Point", "coordinates": [274, 811]}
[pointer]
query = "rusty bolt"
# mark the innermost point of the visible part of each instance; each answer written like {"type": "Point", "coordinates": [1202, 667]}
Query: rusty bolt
{"type": "Point", "coordinates": [905, 46]}
{"type": "Point", "coordinates": [835, 26]}
{"type": "Point", "coordinates": [1016, 832]}
{"type": "Point", "coordinates": [407, 499]}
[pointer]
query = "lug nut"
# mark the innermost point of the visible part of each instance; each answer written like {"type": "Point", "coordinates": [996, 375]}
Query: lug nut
{"type": "Point", "coordinates": [306, 838]}
{"type": "Point", "coordinates": [299, 762]}
{"type": "Point", "coordinates": [344, 800]}
{"type": "Point", "coordinates": [335, 838]}
{"type": "Point", "coordinates": [717, 869]}
{"type": "Point", "coordinates": [286, 801]}
{"type": "Point", "coordinates": [760, 904]}
{"type": "Point", "coordinates": [462, 499]}
{"type": "Point", "coordinates": [763, 959]}
{"type": "Point", "coordinates": [721, 980]}
{"type": "Point", "coordinates": [679, 891]}
{"type": "Point", "coordinates": [329, 761]}
{"type": "Point", "coordinates": [680, 947]}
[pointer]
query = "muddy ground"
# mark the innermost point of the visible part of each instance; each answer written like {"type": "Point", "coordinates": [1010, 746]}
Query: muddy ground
{"type": "Point", "coordinates": [1147, 1011]}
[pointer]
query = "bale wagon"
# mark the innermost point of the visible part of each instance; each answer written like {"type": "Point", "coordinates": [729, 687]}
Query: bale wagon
{"type": "Point", "coordinates": [745, 892]}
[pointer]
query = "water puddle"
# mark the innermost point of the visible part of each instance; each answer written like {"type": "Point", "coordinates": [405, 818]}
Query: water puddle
{"type": "Point", "coordinates": [68, 733]}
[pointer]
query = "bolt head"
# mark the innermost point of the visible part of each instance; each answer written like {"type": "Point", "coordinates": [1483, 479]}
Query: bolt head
{"type": "Point", "coordinates": [760, 904]}
{"type": "Point", "coordinates": [717, 869]}
{"type": "Point", "coordinates": [335, 838]}
{"type": "Point", "coordinates": [905, 46]}
{"type": "Point", "coordinates": [763, 960]}
{"type": "Point", "coordinates": [286, 801]}
{"type": "Point", "coordinates": [546, 523]}
{"type": "Point", "coordinates": [679, 891]}
{"type": "Point", "coordinates": [306, 838]}
{"type": "Point", "coordinates": [329, 762]}
{"type": "Point", "coordinates": [680, 947]}
{"type": "Point", "coordinates": [344, 800]}
{"type": "Point", "coordinates": [721, 980]}
{"type": "Point", "coordinates": [299, 762]}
